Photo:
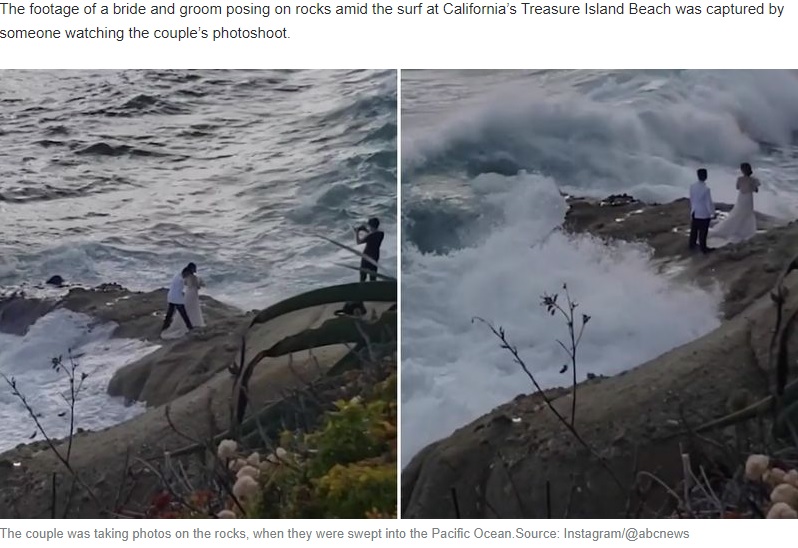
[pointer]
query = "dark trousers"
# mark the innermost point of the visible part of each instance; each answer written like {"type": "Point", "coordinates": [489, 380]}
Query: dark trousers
{"type": "Point", "coordinates": [365, 265]}
{"type": "Point", "coordinates": [699, 229]}
{"type": "Point", "coordinates": [170, 312]}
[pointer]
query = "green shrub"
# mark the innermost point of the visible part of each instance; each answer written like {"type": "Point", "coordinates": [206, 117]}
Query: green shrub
{"type": "Point", "coordinates": [354, 432]}
{"type": "Point", "coordinates": [358, 490]}
{"type": "Point", "coordinates": [344, 469]}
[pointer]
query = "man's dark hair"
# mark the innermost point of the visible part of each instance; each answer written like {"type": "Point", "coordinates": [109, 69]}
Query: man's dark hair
{"type": "Point", "coordinates": [374, 223]}
{"type": "Point", "coordinates": [702, 174]}
{"type": "Point", "coordinates": [745, 167]}
{"type": "Point", "coordinates": [192, 267]}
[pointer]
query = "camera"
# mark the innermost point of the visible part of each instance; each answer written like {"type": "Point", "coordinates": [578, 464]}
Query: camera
{"type": "Point", "coordinates": [361, 228]}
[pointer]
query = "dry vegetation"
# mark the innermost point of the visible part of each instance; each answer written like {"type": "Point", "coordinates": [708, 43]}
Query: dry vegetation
{"type": "Point", "coordinates": [750, 472]}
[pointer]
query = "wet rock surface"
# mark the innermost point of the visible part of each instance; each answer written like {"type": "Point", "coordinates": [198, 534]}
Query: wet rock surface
{"type": "Point", "coordinates": [520, 461]}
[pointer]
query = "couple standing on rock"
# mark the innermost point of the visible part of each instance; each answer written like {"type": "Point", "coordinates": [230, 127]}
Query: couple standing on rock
{"type": "Point", "coordinates": [183, 297]}
{"type": "Point", "coordinates": [741, 222]}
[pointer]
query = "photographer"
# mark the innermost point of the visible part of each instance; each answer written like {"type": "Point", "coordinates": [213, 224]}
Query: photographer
{"type": "Point", "coordinates": [372, 237]}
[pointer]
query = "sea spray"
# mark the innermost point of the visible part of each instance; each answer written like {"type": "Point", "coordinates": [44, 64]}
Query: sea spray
{"type": "Point", "coordinates": [453, 370]}
{"type": "Point", "coordinates": [603, 132]}
{"type": "Point", "coordinates": [28, 360]}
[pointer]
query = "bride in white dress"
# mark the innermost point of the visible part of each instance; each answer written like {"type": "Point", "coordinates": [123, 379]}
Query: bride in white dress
{"type": "Point", "coordinates": [191, 284]}
{"type": "Point", "coordinates": [741, 222]}
{"type": "Point", "coordinates": [193, 305]}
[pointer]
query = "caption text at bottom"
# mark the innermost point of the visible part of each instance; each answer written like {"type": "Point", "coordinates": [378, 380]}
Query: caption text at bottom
{"type": "Point", "coordinates": [386, 533]}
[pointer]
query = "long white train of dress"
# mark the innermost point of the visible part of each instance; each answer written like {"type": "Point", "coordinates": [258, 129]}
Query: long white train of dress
{"type": "Point", "coordinates": [741, 222]}
{"type": "Point", "coordinates": [194, 307]}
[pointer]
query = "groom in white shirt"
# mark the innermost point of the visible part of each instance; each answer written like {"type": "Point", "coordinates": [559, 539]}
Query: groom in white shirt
{"type": "Point", "coordinates": [702, 211]}
{"type": "Point", "coordinates": [177, 300]}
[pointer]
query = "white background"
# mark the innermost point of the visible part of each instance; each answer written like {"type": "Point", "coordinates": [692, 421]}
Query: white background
{"type": "Point", "coordinates": [702, 533]}
{"type": "Point", "coordinates": [421, 41]}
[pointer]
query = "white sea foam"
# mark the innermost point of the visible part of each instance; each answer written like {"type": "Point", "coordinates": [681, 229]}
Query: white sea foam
{"type": "Point", "coordinates": [28, 360]}
{"type": "Point", "coordinates": [453, 369]}
{"type": "Point", "coordinates": [592, 133]}
{"type": "Point", "coordinates": [598, 132]}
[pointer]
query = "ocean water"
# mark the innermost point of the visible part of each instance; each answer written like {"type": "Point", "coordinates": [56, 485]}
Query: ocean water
{"type": "Point", "coordinates": [27, 360]}
{"type": "Point", "coordinates": [125, 176]}
{"type": "Point", "coordinates": [485, 156]}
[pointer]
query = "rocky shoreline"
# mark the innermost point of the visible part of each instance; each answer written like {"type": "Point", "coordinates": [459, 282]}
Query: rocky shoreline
{"type": "Point", "coordinates": [519, 461]}
{"type": "Point", "coordinates": [183, 364]}
{"type": "Point", "coordinates": [193, 378]}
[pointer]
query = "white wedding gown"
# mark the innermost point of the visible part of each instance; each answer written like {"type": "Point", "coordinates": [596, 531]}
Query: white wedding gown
{"type": "Point", "coordinates": [741, 222]}
{"type": "Point", "coordinates": [193, 309]}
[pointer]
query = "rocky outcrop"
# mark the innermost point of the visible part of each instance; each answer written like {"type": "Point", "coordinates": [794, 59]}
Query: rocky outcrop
{"type": "Point", "coordinates": [18, 313]}
{"type": "Point", "coordinates": [520, 461]}
{"type": "Point", "coordinates": [138, 315]}
{"type": "Point", "coordinates": [135, 313]}
{"type": "Point", "coordinates": [662, 227]}
{"type": "Point", "coordinates": [745, 271]}
{"type": "Point", "coordinates": [176, 368]}
{"type": "Point", "coordinates": [110, 461]}
{"type": "Point", "coordinates": [190, 375]}
{"type": "Point", "coordinates": [180, 366]}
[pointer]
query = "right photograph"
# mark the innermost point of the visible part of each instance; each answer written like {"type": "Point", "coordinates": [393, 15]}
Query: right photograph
{"type": "Point", "coordinates": [598, 297]}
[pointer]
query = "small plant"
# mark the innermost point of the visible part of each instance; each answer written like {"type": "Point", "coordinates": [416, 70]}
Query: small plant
{"type": "Point", "coordinates": [552, 307]}
{"type": "Point", "coordinates": [345, 467]}
{"type": "Point", "coordinates": [349, 465]}
{"type": "Point", "coordinates": [75, 387]}
{"type": "Point", "coordinates": [763, 486]}
{"type": "Point", "coordinates": [357, 489]}
{"type": "Point", "coordinates": [760, 481]}
{"type": "Point", "coordinates": [75, 381]}
{"type": "Point", "coordinates": [353, 432]}
{"type": "Point", "coordinates": [337, 459]}
{"type": "Point", "coordinates": [575, 335]}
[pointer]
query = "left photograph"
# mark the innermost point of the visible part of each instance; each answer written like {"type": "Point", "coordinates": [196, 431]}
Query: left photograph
{"type": "Point", "coordinates": [198, 295]}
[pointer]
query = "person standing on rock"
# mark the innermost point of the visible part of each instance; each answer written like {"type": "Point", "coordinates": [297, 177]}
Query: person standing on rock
{"type": "Point", "coordinates": [176, 298]}
{"type": "Point", "coordinates": [702, 211]}
{"type": "Point", "coordinates": [372, 236]}
{"type": "Point", "coordinates": [740, 225]}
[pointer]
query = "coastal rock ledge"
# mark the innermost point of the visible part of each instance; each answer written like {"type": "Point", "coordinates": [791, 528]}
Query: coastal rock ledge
{"type": "Point", "coordinates": [191, 388]}
{"type": "Point", "coordinates": [183, 364]}
{"type": "Point", "coordinates": [519, 461]}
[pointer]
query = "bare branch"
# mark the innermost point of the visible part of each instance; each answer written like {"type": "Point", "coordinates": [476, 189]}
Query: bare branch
{"type": "Point", "coordinates": [500, 334]}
